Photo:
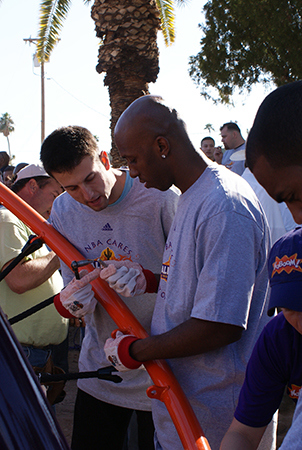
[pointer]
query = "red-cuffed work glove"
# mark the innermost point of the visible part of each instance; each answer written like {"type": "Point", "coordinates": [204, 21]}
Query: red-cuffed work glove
{"type": "Point", "coordinates": [117, 352]}
{"type": "Point", "coordinates": [77, 298]}
{"type": "Point", "coordinates": [128, 278]}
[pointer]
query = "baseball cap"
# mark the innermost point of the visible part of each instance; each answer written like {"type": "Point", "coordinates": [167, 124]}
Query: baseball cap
{"type": "Point", "coordinates": [285, 272]}
{"type": "Point", "coordinates": [31, 171]}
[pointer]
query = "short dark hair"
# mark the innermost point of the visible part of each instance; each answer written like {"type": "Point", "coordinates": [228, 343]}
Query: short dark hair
{"type": "Point", "coordinates": [206, 139]}
{"type": "Point", "coordinates": [41, 182]}
{"type": "Point", "coordinates": [277, 129]}
{"type": "Point", "coordinates": [8, 168]}
{"type": "Point", "coordinates": [231, 126]}
{"type": "Point", "coordinates": [66, 147]}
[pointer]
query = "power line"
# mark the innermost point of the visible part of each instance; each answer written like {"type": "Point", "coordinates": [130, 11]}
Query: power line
{"type": "Point", "coordinates": [80, 101]}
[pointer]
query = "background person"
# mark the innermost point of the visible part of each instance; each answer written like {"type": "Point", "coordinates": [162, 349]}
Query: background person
{"type": "Point", "coordinates": [7, 174]}
{"type": "Point", "coordinates": [36, 278]}
{"type": "Point", "coordinates": [207, 145]}
{"type": "Point", "coordinates": [233, 142]}
{"type": "Point", "coordinates": [218, 154]}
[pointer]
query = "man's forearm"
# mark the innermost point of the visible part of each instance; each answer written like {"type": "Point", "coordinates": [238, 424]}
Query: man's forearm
{"type": "Point", "coordinates": [240, 436]}
{"type": "Point", "coordinates": [32, 273]}
{"type": "Point", "coordinates": [192, 337]}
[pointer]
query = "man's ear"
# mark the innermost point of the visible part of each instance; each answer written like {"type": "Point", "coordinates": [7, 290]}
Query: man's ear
{"type": "Point", "coordinates": [105, 160]}
{"type": "Point", "coordinates": [32, 186]}
{"type": "Point", "coordinates": [163, 146]}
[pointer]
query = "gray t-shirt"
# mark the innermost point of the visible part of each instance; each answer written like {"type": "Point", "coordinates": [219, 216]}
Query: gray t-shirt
{"type": "Point", "coordinates": [235, 166]}
{"type": "Point", "coordinates": [135, 228]}
{"type": "Point", "coordinates": [214, 269]}
{"type": "Point", "coordinates": [293, 438]}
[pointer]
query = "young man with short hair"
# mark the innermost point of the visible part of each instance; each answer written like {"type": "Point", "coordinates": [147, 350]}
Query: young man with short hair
{"type": "Point", "coordinates": [274, 155]}
{"type": "Point", "coordinates": [207, 145]}
{"type": "Point", "coordinates": [107, 215]}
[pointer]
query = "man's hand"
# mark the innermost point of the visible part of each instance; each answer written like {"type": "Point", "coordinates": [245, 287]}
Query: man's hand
{"type": "Point", "coordinates": [128, 278]}
{"type": "Point", "coordinates": [218, 154]}
{"type": "Point", "coordinates": [77, 298]}
{"type": "Point", "coordinates": [117, 352]}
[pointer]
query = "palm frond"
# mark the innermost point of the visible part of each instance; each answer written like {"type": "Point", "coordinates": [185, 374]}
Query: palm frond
{"type": "Point", "coordinates": [167, 18]}
{"type": "Point", "coordinates": [52, 16]}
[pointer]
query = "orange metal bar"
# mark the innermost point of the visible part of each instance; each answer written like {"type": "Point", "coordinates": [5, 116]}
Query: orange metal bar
{"type": "Point", "coordinates": [166, 388]}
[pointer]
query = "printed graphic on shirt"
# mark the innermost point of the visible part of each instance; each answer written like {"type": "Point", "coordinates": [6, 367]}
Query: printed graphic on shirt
{"type": "Point", "coordinates": [110, 243]}
{"type": "Point", "coordinates": [108, 254]}
{"type": "Point", "coordinates": [229, 165]}
{"type": "Point", "coordinates": [107, 227]}
{"type": "Point", "coordinates": [286, 263]}
{"type": "Point", "coordinates": [165, 270]}
{"type": "Point", "coordinates": [294, 391]}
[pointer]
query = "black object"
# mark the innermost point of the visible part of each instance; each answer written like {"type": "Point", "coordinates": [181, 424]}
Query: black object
{"type": "Point", "coordinates": [102, 374]}
{"type": "Point", "coordinates": [33, 244]}
{"type": "Point", "coordinates": [31, 311]}
{"type": "Point", "coordinates": [27, 421]}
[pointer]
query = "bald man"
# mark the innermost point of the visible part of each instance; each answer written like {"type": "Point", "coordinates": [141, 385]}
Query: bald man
{"type": "Point", "coordinates": [211, 299]}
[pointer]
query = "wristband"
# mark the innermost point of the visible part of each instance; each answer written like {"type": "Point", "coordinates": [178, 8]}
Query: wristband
{"type": "Point", "coordinates": [151, 281]}
{"type": "Point", "coordinates": [60, 308]}
{"type": "Point", "coordinates": [124, 355]}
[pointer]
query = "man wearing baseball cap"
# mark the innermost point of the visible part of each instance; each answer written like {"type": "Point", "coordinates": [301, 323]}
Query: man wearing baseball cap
{"type": "Point", "coordinates": [36, 277]}
{"type": "Point", "coordinates": [276, 361]}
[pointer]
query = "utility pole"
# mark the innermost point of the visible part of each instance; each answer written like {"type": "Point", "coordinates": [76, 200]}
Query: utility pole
{"type": "Point", "coordinates": [34, 41]}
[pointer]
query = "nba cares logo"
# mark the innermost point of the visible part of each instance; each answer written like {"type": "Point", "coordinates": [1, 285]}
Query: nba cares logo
{"type": "Point", "coordinates": [286, 263]}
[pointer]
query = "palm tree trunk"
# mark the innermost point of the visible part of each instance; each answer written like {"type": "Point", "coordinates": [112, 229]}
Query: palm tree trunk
{"type": "Point", "coordinates": [128, 54]}
{"type": "Point", "coordinates": [8, 144]}
{"type": "Point", "coordinates": [130, 89]}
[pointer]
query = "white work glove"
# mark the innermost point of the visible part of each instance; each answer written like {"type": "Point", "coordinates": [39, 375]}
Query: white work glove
{"type": "Point", "coordinates": [77, 298]}
{"type": "Point", "coordinates": [128, 278]}
{"type": "Point", "coordinates": [117, 352]}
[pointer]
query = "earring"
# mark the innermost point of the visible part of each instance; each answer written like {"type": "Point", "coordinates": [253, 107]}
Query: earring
{"type": "Point", "coordinates": [163, 156]}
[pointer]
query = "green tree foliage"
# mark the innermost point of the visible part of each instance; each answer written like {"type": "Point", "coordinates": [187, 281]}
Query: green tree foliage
{"type": "Point", "coordinates": [245, 42]}
{"type": "Point", "coordinates": [54, 12]}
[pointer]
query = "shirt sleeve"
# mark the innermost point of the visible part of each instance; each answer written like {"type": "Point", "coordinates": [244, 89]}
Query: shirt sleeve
{"type": "Point", "coordinates": [231, 252]}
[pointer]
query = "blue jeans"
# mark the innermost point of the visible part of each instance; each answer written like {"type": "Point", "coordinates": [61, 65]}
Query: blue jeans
{"type": "Point", "coordinates": [39, 356]}
{"type": "Point", "coordinates": [36, 356]}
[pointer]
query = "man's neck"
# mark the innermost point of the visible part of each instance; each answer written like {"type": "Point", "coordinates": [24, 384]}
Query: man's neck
{"type": "Point", "coordinates": [243, 141]}
{"type": "Point", "coordinates": [117, 190]}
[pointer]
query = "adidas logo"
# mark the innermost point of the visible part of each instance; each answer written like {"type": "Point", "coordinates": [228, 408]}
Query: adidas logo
{"type": "Point", "coordinates": [107, 227]}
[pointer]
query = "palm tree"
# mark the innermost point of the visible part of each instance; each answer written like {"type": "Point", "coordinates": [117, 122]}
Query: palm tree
{"type": "Point", "coordinates": [209, 127]}
{"type": "Point", "coordinates": [128, 53]}
{"type": "Point", "coordinates": [6, 127]}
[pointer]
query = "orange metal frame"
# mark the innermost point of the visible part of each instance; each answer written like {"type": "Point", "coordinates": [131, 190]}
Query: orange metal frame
{"type": "Point", "coordinates": [166, 388]}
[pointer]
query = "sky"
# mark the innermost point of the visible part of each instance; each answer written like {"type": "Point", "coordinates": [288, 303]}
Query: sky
{"type": "Point", "coordinates": [74, 91]}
